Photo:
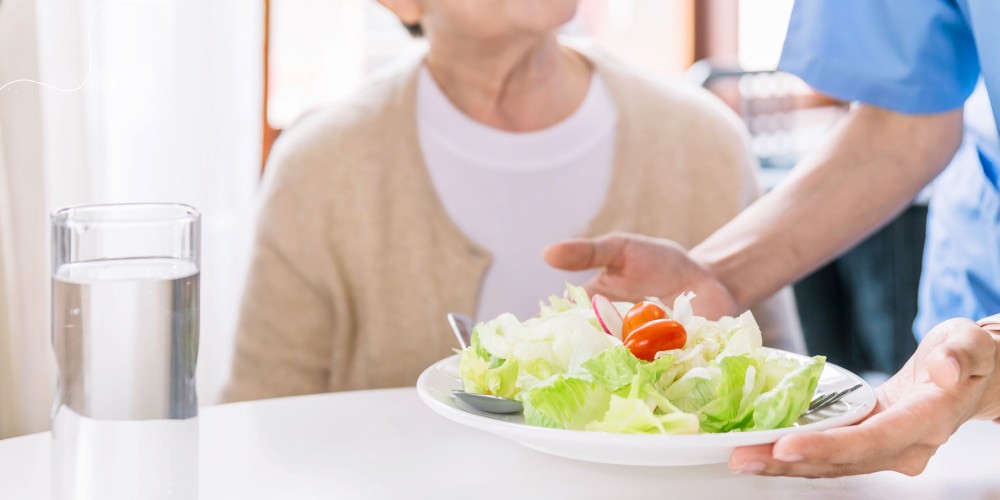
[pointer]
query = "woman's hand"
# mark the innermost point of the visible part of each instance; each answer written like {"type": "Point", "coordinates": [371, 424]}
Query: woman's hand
{"type": "Point", "coordinates": [953, 377]}
{"type": "Point", "coordinates": [635, 267]}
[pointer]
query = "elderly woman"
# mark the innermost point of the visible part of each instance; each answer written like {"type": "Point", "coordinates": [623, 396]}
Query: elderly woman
{"type": "Point", "coordinates": [437, 185]}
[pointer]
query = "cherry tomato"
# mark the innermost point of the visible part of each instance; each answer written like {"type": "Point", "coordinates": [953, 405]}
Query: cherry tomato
{"type": "Point", "coordinates": [655, 336]}
{"type": "Point", "coordinates": [640, 314]}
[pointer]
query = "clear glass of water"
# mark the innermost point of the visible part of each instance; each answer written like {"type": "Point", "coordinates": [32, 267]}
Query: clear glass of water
{"type": "Point", "coordinates": [125, 334]}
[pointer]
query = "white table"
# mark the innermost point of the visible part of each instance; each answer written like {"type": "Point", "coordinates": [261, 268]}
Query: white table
{"type": "Point", "coordinates": [386, 444]}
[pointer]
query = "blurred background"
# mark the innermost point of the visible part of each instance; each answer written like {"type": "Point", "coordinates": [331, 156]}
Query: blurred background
{"type": "Point", "coordinates": [108, 101]}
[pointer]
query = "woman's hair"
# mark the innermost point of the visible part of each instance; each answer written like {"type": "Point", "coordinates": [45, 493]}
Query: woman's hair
{"type": "Point", "coordinates": [415, 29]}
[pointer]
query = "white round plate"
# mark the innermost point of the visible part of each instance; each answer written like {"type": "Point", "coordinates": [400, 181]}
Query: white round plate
{"type": "Point", "coordinates": [436, 383]}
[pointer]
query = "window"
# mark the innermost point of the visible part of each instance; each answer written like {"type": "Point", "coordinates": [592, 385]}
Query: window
{"type": "Point", "coordinates": [762, 26]}
{"type": "Point", "coordinates": [321, 50]}
{"type": "Point", "coordinates": [786, 118]}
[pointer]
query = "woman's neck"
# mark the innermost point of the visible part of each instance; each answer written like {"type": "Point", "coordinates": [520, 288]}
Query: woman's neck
{"type": "Point", "coordinates": [516, 85]}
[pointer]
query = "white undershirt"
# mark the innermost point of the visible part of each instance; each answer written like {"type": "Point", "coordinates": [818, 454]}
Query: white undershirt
{"type": "Point", "coordinates": [515, 193]}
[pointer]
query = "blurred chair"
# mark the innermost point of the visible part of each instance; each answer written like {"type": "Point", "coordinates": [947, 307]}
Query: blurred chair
{"type": "Point", "coordinates": [859, 309]}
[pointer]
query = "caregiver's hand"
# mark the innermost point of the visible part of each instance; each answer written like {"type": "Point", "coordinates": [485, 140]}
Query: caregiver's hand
{"type": "Point", "coordinates": [953, 377]}
{"type": "Point", "coordinates": [635, 267]}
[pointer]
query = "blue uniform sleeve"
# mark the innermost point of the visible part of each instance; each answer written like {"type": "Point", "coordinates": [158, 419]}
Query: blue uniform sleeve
{"type": "Point", "coordinates": [912, 56]}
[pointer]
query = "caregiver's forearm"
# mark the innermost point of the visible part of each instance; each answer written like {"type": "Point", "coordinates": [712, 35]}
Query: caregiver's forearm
{"type": "Point", "coordinates": [872, 166]}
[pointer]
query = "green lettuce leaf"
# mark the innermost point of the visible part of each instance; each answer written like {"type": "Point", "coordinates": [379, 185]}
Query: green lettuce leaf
{"type": "Point", "coordinates": [782, 405]}
{"type": "Point", "coordinates": [576, 298]}
{"type": "Point", "coordinates": [498, 377]}
{"type": "Point", "coordinates": [648, 375]}
{"type": "Point", "coordinates": [694, 391]}
{"type": "Point", "coordinates": [565, 403]}
{"type": "Point", "coordinates": [477, 346]}
{"type": "Point", "coordinates": [557, 342]}
{"type": "Point", "coordinates": [613, 368]}
{"type": "Point", "coordinates": [741, 393]}
{"type": "Point", "coordinates": [775, 367]}
{"type": "Point", "coordinates": [570, 374]}
{"type": "Point", "coordinates": [725, 412]}
{"type": "Point", "coordinates": [632, 415]}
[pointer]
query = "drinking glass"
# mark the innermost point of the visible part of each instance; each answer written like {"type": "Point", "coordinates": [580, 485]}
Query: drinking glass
{"type": "Point", "coordinates": [125, 335]}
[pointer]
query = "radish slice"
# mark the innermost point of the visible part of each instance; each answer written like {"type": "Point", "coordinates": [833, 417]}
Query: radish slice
{"type": "Point", "coordinates": [607, 315]}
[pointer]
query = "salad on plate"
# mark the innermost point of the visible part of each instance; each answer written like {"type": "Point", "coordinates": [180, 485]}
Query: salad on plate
{"type": "Point", "coordinates": [586, 363]}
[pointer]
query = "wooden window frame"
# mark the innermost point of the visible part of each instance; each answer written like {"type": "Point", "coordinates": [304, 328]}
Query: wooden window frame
{"type": "Point", "coordinates": [269, 133]}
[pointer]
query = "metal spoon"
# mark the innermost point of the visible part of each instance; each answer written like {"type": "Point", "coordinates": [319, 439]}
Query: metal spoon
{"type": "Point", "coordinates": [462, 326]}
{"type": "Point", "coordinates": [489, 403]}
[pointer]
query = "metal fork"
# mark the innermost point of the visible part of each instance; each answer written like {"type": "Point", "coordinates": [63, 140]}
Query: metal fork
{"type": "Point", "coordinates": [822, 400]}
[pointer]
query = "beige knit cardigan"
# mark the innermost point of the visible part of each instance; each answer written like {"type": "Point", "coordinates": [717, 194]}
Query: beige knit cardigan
{"type": "Point", "coordinates": [356, 261]}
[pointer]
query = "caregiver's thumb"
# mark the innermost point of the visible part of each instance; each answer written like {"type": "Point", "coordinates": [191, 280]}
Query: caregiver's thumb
{"type": "Point", "coordinates": [585, 253]}
{"type": "Point", "coordinates": [967, 352]}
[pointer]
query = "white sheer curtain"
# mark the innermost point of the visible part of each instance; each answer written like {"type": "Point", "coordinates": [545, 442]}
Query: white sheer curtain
{"type": "Point", "coordinates": [26, 396]}
{"type": "Point", "coordinates": [7, 386]}
{"type": "Point", "coordinates": [169, 111]}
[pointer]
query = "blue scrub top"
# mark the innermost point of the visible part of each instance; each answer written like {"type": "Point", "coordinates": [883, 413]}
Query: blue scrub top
{"type": "Point", "coordinates": [918, 57]}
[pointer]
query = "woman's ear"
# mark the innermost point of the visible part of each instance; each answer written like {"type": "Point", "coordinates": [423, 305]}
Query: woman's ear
{"type": "Point", "coordinates": [408, 11]}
